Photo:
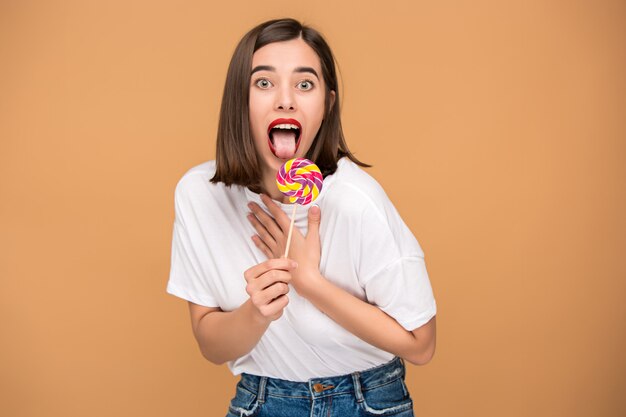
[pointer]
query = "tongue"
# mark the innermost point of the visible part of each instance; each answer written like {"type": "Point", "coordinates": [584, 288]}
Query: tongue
{"type": "Point", "coordinates": [284, 143]}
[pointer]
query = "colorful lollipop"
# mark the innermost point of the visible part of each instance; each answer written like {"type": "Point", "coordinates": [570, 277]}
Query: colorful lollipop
{"type": "Point", "coordinates": [301, 181]}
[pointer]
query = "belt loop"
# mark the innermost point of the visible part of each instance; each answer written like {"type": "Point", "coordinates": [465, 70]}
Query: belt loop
{"type": "Point", "coordinates": [357, 387]}
{"type": "Point", "coordinates": [261, 393]}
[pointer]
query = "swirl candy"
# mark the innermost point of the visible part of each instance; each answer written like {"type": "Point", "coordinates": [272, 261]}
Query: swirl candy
{"type": "Point", "coordinates": [300, 180]}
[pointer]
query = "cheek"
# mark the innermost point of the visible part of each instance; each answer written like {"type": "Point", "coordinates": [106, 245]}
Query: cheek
{"type": "Point", "coordinates": [259, 106]}
{"type": "Point", "coordinates": [316, 114]}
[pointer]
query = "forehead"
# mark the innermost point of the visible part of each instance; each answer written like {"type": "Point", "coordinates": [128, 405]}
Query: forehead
{"type": "Point", "coordinates": [287, 55]}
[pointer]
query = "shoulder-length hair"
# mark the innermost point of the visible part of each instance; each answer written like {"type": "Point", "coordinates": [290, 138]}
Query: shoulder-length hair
{"type": "Point", "coordinates": [236, 158]}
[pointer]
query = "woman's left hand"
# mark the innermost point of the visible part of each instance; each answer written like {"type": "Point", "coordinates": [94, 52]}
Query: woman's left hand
{"type": "Point", "coordinates": [272, 231]}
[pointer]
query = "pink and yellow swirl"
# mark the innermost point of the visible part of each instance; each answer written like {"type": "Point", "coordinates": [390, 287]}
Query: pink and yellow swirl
{"type": "Point", "coordinates": [300, 180]}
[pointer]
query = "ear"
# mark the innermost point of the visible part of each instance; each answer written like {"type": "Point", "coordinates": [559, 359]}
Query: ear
{"type": "Point", "coordinates": [332, 99]}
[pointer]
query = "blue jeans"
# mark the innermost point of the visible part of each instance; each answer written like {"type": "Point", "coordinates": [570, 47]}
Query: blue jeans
{"type": "Point", "coordinates": [379, 391]}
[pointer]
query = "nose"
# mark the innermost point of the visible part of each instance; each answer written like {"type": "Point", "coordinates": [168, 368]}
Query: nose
{"type": "Point", "coordinates": [285, 99]}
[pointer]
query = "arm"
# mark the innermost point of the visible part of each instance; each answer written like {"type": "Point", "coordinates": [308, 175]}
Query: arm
{"type": "Point", "coordinates": [370, 323]}
{"type": "Point", "coordinates": [360, 318]}
{"type": "Point", "coordinates": [225, 336]}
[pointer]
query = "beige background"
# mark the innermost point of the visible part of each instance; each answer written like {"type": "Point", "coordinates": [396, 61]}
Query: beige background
{"type": "Point", "coordinates": [497, 128]}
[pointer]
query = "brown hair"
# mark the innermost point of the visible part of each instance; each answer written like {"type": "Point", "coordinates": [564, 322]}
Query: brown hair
{"type": "Point", "coordinates": [237, 161]}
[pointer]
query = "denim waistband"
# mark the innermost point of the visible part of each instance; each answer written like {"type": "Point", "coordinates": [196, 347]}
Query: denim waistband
{"type": "Point", "coordinates": [320, 387]}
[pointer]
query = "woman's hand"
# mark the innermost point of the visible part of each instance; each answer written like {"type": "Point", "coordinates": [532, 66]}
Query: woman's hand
{"type": "Point", "coordinates": [272, 231]}
{"type": "Point", "coordinates": [267, 287]}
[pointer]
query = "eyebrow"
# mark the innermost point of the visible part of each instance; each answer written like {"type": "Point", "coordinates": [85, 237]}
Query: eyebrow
{"type": "Point", "coordinates": [273, 69]}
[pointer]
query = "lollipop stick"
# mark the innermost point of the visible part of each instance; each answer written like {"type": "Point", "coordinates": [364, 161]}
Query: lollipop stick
{"type": "Point", "coordinates": [293, 218]}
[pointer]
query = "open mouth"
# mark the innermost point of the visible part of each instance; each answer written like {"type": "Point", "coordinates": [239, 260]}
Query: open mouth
{"type": "Point", "coordinates": [284, 137]}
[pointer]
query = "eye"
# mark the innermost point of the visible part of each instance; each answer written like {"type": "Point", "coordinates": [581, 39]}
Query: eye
{"type": "Point", "coordinates": [305, 85]}
{"type": "Point", "coordinates": [263, 83]}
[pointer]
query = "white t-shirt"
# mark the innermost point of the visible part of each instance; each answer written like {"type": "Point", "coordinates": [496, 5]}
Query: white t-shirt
{"type": "Point", "coordinates": [366, 249]}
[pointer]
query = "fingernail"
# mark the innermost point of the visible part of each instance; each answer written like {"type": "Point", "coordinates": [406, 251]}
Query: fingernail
{"type": "Point", "coordinates": [294, 264]}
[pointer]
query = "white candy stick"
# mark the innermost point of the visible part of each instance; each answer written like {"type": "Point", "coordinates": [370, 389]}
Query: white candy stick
{"type": "Point", "coordinates": [293, 219]}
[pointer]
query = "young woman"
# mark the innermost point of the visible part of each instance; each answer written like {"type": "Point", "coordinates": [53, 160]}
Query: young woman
{"type": "Point", "coordinates": [326, 331]}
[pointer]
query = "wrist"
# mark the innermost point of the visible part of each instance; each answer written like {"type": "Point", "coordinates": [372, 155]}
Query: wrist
{"type": "Point", "coordinates": [310, 282]}
{"type": "Point", "coordinates": [255, 315]}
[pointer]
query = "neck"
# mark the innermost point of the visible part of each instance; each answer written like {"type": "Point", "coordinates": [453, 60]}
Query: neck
{"type": "Point", "coordinates": [270, 188]}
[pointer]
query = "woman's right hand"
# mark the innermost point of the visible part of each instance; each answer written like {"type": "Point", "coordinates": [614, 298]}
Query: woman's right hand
{"type": "Point", "coordinates": [267, 287]}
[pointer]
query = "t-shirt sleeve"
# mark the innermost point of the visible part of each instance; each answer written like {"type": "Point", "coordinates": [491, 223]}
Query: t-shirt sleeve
{"type": "Point", "coordinates": [392, 269]}
{"type": "Point", "coordinates": [187, 279]}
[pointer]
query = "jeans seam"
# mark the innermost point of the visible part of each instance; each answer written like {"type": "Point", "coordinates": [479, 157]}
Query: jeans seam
{"type": "Point", "coordinates": [381, 385]}
{"type": "Point", "coordinates": [396, 408]}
